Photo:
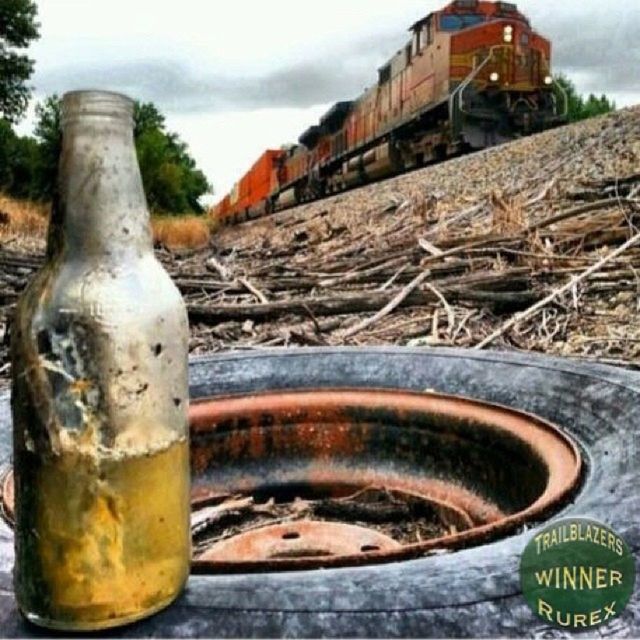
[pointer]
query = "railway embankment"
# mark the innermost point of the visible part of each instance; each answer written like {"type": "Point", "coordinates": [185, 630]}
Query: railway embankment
{"type": "Point", "coordinates": [532, 246]}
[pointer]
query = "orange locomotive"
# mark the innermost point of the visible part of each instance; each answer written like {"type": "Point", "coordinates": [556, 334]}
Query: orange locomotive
{"type": "Point", "coordinates": [473, 75]}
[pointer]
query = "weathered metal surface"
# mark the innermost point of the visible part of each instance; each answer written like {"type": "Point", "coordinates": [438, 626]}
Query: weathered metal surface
{"type": "Point", "coordinates": [487, 469]}
{"type": "Point", "coordinates": [304, 539]}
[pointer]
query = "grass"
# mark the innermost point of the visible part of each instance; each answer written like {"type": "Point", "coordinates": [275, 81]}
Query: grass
{"type": "Point", "coordinates": [25, 220]}
{"type": "Point", "coordinates": [183, 232]}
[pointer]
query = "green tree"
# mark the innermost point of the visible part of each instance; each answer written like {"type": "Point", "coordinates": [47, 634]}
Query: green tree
{"type": "Point", "coordinates": [146, 117]}
{"type": "Point", "coordinates": [48, 133]}
{"type": "Point", "coordinates": [19, 158]}
{"type": "Point", "coordinates": [7, 137]}
{"type": "Point", "coordinates": [580, 108]}
{"type": "Point", "coordinates": [172, 181]}
{"type": "Point", "coordinates": [18, 28]}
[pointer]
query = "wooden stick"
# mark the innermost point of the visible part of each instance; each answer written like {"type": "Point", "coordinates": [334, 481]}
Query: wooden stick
{"type": "Point", "coordinates": [543, 194]}
{"type": "Point", "coordinates": [358, 275]}
{"type": "Point", "coordinates": [348, 304]}
{"type": "Point", "coordinates": [532, 311]}
{"type": "Point", "coordinates": [465, 247]}
{"type": "Point", "coordinates": [213, 265]}
{"type": "Point", "coordinates": [391, 306]}
{"type": "Point", "coordinates": [577, 211]}
{"type": "Point", "coordinates": [254, 290]}
{"type": "Point", "coordinates": [454, 219]}
{"type": "Point", "coordinates": [451, 316]}
{"type": "Point", "coordinates": [430, 248]}
{"type": "Point", "coordinates": [392, 279]}
{"type": "Point", "coordinates": [435, 326]}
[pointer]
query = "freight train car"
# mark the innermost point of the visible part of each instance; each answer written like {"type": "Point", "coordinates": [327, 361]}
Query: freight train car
{"type": "Point", "coordinates": [473, 75]}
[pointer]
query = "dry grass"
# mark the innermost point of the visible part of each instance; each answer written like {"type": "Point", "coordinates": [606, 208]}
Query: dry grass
{"type": "Point", "coordinates": [507, 214]}
{"type": "Point", "coordinates": [23, 219]}
{"type": "Point", "coordinates": [185, 232]}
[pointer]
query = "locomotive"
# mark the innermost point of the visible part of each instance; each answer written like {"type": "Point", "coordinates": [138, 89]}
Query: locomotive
{"type": "Point", "coordinates": [473, 75]}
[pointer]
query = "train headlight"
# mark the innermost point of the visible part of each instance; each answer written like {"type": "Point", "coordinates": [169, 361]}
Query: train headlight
{"type": "Point", "coordinates": [548, 80]}
{"type": "Point", "coordinates": [508, 34]}
{"type": "Point", "coordinates": [494, 76]}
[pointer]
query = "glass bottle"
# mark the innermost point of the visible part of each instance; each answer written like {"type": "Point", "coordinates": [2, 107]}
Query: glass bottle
{"type": "Point", "coordinates": [100, 394]}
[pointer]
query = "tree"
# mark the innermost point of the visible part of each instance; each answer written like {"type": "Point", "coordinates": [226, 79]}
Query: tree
{"type": "Point", "coordinates": [48, 133]}
{"type": "Point", "coordinates": [580, 108]}
{"type": "Point", "coordinates": [146, 117]}
{"type": "Point", "coordinates": [18, 27]}
{"type": "Point", "coordinates": [18, 163]}
{"type": "Point", "coordinates": [172, 181]}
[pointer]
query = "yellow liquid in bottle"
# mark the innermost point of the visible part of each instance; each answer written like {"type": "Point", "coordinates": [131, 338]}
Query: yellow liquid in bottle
{"type": "Point", "coordinates": [114, 539]}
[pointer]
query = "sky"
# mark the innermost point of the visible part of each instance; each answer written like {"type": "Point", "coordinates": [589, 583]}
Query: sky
{"type": "Point", "coordinates": [235, 77]}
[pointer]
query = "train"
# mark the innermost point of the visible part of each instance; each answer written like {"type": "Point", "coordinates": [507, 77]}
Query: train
{"type": "Point", "coordinates": [473, 75]}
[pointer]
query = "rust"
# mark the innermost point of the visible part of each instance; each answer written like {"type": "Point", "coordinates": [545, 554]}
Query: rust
{"type": "Point", "coordinates": [330, 432]}
{"type": "Point", "coordinates": [485, 469]}
{"type": "Point", "coordinates": [8, 496]}
{"type": "Point", "coordinates": [302, 539]}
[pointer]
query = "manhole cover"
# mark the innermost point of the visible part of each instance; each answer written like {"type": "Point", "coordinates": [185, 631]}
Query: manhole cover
{"type": "Point", "coordinates": [311, 479]}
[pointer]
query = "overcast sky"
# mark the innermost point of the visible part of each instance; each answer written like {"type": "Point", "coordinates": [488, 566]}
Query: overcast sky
{"type": "Point", "coordinates": [236, 77]}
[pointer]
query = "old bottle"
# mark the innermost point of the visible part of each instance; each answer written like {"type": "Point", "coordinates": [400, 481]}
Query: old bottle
{"type": "Point", "coordinates": [100, 397]}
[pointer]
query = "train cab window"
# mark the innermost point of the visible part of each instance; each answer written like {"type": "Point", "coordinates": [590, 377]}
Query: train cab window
{"type": "Point", "coordinates": [524, 39]}
{"type": "Point", "coordinates": [424, 36]}
{"type": "Point", "coordinates": [417, 42]}
{"type": "Point", "coordinates": [384, 74]}
{"type": "Point", "coordinates": [428, 30]}
{"type": "Point", "coordinates": [456, 22]}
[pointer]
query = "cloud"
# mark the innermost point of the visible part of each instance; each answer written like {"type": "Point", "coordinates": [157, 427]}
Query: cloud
{"type": "Point", "coordinates": [178, 87]}
{"type": "Point", "coordinates": [598, 47]}
{"type": "Point", "coordinates": [601, 47]}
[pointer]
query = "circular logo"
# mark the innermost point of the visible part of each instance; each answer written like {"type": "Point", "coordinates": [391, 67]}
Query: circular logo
{"type": "Point", "coordinates": [577, 574]}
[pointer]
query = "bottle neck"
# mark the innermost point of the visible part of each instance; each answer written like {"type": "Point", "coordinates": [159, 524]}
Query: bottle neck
{"type": "Point", "coordinates": [101, 210]}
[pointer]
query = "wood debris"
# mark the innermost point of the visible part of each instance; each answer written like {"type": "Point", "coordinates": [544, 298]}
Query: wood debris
{"type": "Point", "coordinates": [447, 255]}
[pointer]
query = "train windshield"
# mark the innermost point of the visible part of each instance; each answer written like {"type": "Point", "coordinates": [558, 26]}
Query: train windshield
{"type": "Point", "coordinates": [455, 22]}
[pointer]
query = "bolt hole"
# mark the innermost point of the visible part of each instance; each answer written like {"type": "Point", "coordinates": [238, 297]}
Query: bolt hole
{"type": "Point", "coordinates": [292, 535]}
{"type": "Point", "coordinates": [369, 547]}
{"type": "Point", "coordinates": [157, 349]}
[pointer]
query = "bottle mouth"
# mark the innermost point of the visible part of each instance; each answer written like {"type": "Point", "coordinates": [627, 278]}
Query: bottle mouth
{"type": "Point", "coordinates": [93, 103]}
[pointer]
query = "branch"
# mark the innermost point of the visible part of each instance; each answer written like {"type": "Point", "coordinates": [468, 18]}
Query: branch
{"type": "Point", "coordinates": [576, 211]}
{"type": "Point", "coordinates": [213, 265]}
{"type": "Point", "coordinates": [532, 311]}
{"type": "Point", "coordinates": [391, 306]}
{"type": "Point", "coordinates": [254, 290]}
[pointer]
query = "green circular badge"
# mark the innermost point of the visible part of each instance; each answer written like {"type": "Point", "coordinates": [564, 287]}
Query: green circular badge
{"type": "Point", "coordinates": [577, 574]}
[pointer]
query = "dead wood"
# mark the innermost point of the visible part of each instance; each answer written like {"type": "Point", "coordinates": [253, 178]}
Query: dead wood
{"type": "Point", "coordinates": [388, 308]}
{"type": "Point", "coordinates": [536, 308]}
